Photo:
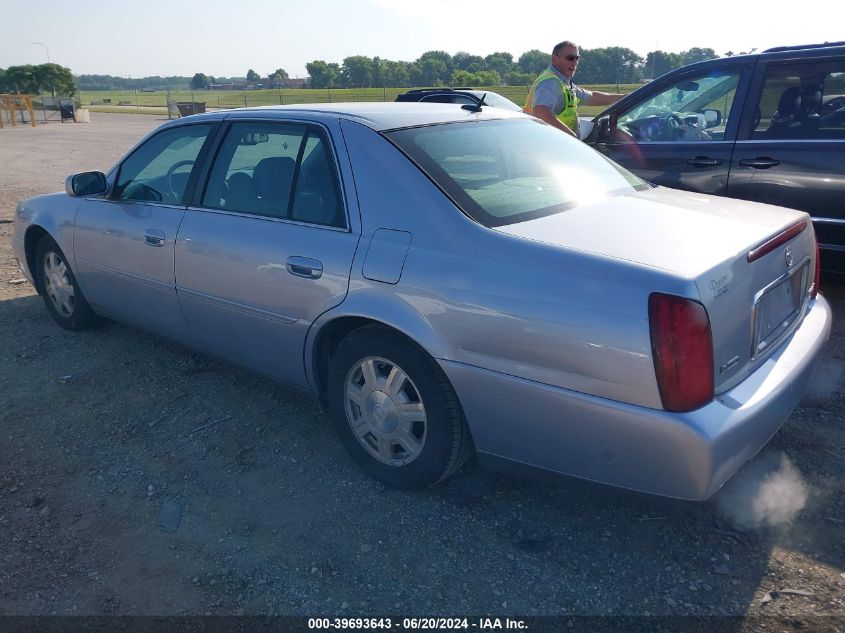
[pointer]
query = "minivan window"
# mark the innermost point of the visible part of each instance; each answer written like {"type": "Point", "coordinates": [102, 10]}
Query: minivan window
{"type": "Point", "coordinates": [505, 171]}
{"type": "Point", "coordinates": [804, 100]}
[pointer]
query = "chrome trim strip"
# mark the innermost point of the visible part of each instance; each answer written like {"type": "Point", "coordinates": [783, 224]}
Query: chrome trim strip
{"type": "Point", "coordinates": [828, 220]}
{"type": "Point", "coordinates": [252, 216]}
{"type": "Point", "coordinates": [803, 267]}
{"type": "Point", "coordinates": [703, 143]}
{"type": "Point", "coordinates": [771, 141]}
{"type": "Point", "coordinates": [237, 307]}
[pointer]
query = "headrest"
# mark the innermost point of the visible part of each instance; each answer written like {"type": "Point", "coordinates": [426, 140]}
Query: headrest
{"type": "Point", "coordinates": [272, 177]}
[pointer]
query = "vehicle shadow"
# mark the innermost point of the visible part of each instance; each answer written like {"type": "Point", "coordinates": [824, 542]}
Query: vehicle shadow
{"type": "Point", "coordinates": [109, 427]}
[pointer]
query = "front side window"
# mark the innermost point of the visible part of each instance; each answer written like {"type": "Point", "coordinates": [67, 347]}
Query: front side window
{"type": "Point", "coordinates": [278, 170]}
{"type": "Point", "coordinates": [802, 101]}
{"type": "Point", "coordinates": [505, 171]}
{"type": "Point", "coordinates": [693, 109]}
{"type": "Point", "coordinates": [158, 170]}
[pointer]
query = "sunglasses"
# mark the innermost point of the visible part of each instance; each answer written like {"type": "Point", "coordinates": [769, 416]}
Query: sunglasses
{"type": "Point", "coordinates": [572, 58]}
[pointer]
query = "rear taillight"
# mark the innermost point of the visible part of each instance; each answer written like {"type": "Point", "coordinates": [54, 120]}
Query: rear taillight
{"type": "Point", "coordinates": [682, 347]}
{"type": "Point", "coordinates": [817, 277]}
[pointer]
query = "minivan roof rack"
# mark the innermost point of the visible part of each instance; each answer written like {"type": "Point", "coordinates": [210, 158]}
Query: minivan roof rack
{"type": "Point", "coordinates": [799, 47]}
{"type": "Point", "coordinates": [443, 89]}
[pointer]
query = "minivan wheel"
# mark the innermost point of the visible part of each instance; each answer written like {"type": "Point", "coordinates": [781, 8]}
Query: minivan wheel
{"type": "Point", "coordinates": [395, 411]}
{"type": "Point", "coordinates": [59, 289]}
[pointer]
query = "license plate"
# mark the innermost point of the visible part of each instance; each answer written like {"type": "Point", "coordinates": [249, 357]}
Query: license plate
{"type": "Point", "coordinates": [777, 310]}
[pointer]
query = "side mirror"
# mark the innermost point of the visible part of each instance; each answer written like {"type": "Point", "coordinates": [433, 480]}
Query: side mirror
{"type": "Point", "coordinates": [89, 183]}
{"type": "Point", "coordinates": [712, 117]}
{"type": "Point", "coordinates": [603, 135]}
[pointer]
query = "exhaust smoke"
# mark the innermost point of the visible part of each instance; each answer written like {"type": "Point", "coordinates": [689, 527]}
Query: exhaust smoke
{"type": "Point", "coordinates": [766, 493]}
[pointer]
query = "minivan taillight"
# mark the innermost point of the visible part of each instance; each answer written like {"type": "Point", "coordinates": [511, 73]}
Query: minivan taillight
{"type": "Point", "coordinates": [682, 348]}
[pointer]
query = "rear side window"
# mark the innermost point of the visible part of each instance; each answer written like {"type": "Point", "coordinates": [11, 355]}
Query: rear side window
{"type": "Point", "coordinates": [506, 171]}
{"type": "Point", "coordinates": [159, 169]}
{"type": "Point", "coordinates": [277, 170]}
{"type": "Point", "coordinates": [803, 100]}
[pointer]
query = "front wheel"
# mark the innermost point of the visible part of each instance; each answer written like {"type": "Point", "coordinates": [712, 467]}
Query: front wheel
{"type": "Point", "coordinates": [59, 289]}
{"type": "Point", "coordinates": [395, 411]}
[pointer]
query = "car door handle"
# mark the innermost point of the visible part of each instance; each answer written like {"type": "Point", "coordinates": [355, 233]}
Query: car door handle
{"type": "Point", "coordinates": [761, 162]}
{"type": "Point", "coordinates": [304, 267]}
{"type": "Point", "coordinates": [154, 238]}
{"type": "Point", "coordinates": [704, 161]}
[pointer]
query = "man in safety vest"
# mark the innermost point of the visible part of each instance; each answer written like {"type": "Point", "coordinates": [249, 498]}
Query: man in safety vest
{"type": "Point", "coordinates": [554, 98]}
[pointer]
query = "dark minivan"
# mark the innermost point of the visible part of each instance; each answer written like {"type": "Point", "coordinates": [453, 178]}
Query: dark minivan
{"type": "Point", "coordinates": [768, 127]}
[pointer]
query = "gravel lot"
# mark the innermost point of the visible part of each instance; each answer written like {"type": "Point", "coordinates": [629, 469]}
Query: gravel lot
{"type": "Point", "coordinates": [108, 433]}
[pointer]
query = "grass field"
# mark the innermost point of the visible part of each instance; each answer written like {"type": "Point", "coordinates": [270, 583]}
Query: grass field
{"type": "Point", "coordinates": [155, 102]}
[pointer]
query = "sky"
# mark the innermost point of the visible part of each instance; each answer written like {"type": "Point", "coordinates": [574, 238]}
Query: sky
{"type": "Point", "coordinates": [225, 38]}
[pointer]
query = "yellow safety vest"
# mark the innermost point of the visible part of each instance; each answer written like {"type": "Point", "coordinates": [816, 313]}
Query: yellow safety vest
{"type": "Point", "coordinates": [569, 115]}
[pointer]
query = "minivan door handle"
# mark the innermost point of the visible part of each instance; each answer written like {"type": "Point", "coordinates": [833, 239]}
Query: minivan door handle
{"type": "Point", "coordinates": [304, 267]}
{"type": "Point", "coordinates": [704, 161]}
{"type": "Point", "coordinates": [154, 238]}
{"type": "Point", "coordinates": [761, 162]}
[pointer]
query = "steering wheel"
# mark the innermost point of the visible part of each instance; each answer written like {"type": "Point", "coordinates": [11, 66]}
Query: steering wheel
{"type": "Point", "coordinates": [673, 126]}
{"type": "Point", "coordinates": [169, 177]}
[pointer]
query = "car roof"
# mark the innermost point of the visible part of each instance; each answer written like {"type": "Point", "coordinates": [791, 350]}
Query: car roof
{"type": "Point", "coordinates": [379, 116]}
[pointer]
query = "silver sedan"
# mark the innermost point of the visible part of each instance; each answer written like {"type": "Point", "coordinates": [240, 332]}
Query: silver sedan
{"type": "Point", "coordinates": [451, 281]}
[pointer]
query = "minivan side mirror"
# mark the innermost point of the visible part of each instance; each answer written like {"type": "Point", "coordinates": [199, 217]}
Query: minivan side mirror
{"type": "Point", "coordinates": [88, 183]}
{"type": "Point", "coordinates": [712, 117]}
{"type": "Point", "coordinates": [603, 126]}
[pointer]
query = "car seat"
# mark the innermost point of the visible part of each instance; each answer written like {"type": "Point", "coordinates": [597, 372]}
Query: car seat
{"type": "Point", "coordinates": [241, 194]}
{"type": "Point", "coordinates": [272, 177]}
{"type": "Point", "coordinates": [785, 123]}
{"type": "Point", "coordinates": [811, 103]}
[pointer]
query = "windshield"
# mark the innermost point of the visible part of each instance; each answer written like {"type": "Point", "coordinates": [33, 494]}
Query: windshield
{"type": "Point", "coordinates": [688, 96]}
{"type": "Point", "coordinates": [507, 171]}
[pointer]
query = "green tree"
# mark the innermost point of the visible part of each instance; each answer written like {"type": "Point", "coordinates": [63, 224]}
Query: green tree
{"type": "Point", "coordinates": [199, 81]}
{"type": "Point", "coordinates": [395, 74]}
{"type": "Point", "coordinates": [518, 78]}
{"type": "Point", "coordinates": [279, 74]}
{"type": "Point", "coordinates": [695, 54]}
{"type": "Point", "coordinates": [357, 71]}
{"type": "Point", "coordinates": [3, 87]}
{"type": "Point", "coordinates": [252, 76]}
{"type": "Point", "coordinates": [659, 63]}
{"type": "Point", "coordinates": [321, 74]}
{"type": "Point", "coordinates": [41, 78]}
{"type": "Point", "coordinates": [433, 68]}
{"type": "Point", "coordinates": [488, 78]}
{"type": "Point", "coordinates": [502, 63]}
{"type": "Point", "coordinates": [609, 65]}
{"type": "Point", "coordinates": [534, 61]}
{"type": "Point", "coordinates": [465, 61]}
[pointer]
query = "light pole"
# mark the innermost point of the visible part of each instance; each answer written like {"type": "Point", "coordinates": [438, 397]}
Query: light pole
{"type": "Point", "coordinates": [53, 90]}
{"type": "Point", "coordinates": [46, 50]}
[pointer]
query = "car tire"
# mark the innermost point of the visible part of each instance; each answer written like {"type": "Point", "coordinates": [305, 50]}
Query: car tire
{"type": "Point", "coordinates": [395, 410]}
{"type": "Point", "coordinates": [59, 289]}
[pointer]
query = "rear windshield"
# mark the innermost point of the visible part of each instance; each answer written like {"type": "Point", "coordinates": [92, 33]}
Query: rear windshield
{"type": "Point", "coordinates": [507, 171]}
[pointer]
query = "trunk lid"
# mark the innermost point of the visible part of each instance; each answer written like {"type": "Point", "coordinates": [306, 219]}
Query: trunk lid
{"type": "Point", "coordinates": [752, 305]}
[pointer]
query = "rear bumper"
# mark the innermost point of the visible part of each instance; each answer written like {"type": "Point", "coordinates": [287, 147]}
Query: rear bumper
{"type": "Point", "coordinates": [685, 456]}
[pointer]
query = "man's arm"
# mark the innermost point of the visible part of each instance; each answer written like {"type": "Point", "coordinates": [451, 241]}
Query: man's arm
{"type": "Point", "coordinates": [602, 98]}
{"type": "Point", "coordinates": [544, 113]}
